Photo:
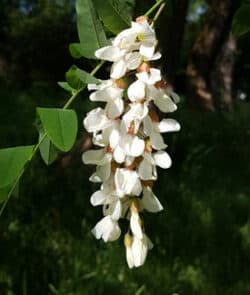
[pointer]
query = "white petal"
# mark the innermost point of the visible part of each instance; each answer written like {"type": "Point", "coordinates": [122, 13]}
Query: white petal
{"type": "Point", "coordinates": [95, 178]}
{"type": "Point", "coordinates": [140, 250]}
{"type": "Point", "coordinates": [107, 229]}
{"type": "Point", "coordinates": [96, 157]}
{"type": "Point", "coordinates": [165, 104]}
{"type": "Point", "coordinates": [136, 90]}
{"type": "Point", "coordinates": [135, 225]}
{"type": "Point", "coordinates": [145, 170]}
{"type": "Point", "coordinates": [116, 209]}
{"type": "Point", "coordinates": [129, 257]}
{"type": "Point", "coordinates": [119, 155]}
{"type": "Point", "coordinates": [98, 198]}
{"type": "Point", "coordinates": [147, 125]}
{"type": "Point", "coordinates": [96, 120]}
{"type": "Point", "coordinates": [118, 69]}
{"type": "Point", "coordinates": [104, 171]}
{"type": "Point", "coordinates": [150, 202]}
{"type": "Point", "coordinates": [106, 94]}
{"type": "Point", "coordinates": [137, 147]}
{"type": "Point", "coordinates": [147, 50]}
{"type": "Point", "coordinates": [156, 56]}
{"type": "Point", "coordinates": [114, 138]}
{"type": "Point", "coordinates": [157, 141]}
{"type": "Point", "coordinates": [168, 125]}
{"type": "Point", "coordinates": [133, 60]}
{"type": "Point", "coordinates": [115, 108]}
{"type": "Point", "coordinates": [127, 183]}
{"type": "Point", "coordinates": [110, 53]}
{"type": "Point", "coordinates": [162, 159]}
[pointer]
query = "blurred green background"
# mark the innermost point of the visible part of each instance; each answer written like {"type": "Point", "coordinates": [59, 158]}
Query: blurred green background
{"type": "Point", "coordinates": [202, 238]}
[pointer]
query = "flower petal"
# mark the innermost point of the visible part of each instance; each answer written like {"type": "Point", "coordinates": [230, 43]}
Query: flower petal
{"type": "Point", "coordinates": [133, 60]}
{"type": "Point", "coordinates": [136, 90]}
{"type": "Point", "coordinates": [164, 103]}
{"type": "Point", "coordinates": [168, 125]}
{"type": "Point", "coordinates": [115, 108]}
{"type": "Point", "coordinates": [162, 159]}
{"type": "Point", "coordinates": [118, 69]}
{"type": "Point", "coordinates": [96, 157]}
{"type": "Point", "coordinates": [135, 225]}
{"type": "Point", "coordinates": [98, 198]}
{"type": "Point", "coordinates": [150, 202]}
{"type": "Point", "coordinates": [145, 170]}
{"type": "Point", "coordinates": [110, 53]}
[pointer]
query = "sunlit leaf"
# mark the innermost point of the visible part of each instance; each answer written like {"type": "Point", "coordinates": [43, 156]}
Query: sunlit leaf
{"type": "Point", "coordinates": [76, 50]}
{"type": "Point", "coordinates": [48, 151]}
{"type": "Point", "coordinates": [12, 161]}
{"type": "Point", "coordinates": [60, 126]}
{"type": "Point", "coordinates": [115, 14]}
{"type": "Point", "coordinates": [65, 86]}
{"type": "Point", "coordinates": [90, 29]}
{"type": "Point", "coordinates": [77, 78]}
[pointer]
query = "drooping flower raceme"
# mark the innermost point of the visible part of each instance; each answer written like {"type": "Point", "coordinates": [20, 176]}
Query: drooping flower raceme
{"type": "Point", "coordinates": [128, 134]}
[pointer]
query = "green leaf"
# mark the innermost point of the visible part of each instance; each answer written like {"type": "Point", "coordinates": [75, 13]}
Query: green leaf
{"type": "Point", "coordinates": [60, 126]}
{"type": "Point", "coordinates": [4, 194]}
{"type": "Point", "coordinates": [241, 21]}
{"type": "Point", "coordinates": [12, 161]}
{"type": "Point", "coordinates": [48, 151]}
{"type": "Point", "coordinates": [76, 50]}
{"type": "Point", "coordinates": [115, 14]}
{"type": "Point", "coordinates": [65, 86]}
{"type": "Point", "coordinates": [90, 29]}
{"type": "Point", "coordinates": [77, 78]}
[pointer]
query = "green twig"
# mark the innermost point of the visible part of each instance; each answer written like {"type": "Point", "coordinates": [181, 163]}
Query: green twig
{"type": "Point", "coordinates": [158, 13]}
{"type": "Point", "coordinates": [153, 8]}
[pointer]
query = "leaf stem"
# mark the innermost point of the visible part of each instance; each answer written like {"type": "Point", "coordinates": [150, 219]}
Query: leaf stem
{"type": "Point", "coordinates": [158, 13]}
{"type": "Point", "coordinates": [152, 9]}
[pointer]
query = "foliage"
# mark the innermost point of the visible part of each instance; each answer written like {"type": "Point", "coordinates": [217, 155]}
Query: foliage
{"type": "Point", "coordinates": [241, 23]}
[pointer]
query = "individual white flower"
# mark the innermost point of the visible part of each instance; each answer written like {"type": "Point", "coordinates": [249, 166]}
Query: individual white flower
{"type": "Point", "coordinates": [96, 120]}
{"type": "Point", "coordinates": [132, 145]}
{"type": "Point", "coordinates": [127, 182]}
{"type": "Point", "coordinates": [147, 167]}
{"type": "Point", "coordinates": [107, 229]}
{"type": "Point", "coordinates": [161, 99]}
{"type": "Point", "coordinates": [140, 249]}
{"type": "Point", "coordinates": [122, 52]}
{"type": "Point", "coordinates": [108, 92]}
{"type": "Point", "coordinates": [150, 77]}
{"type": "Point", "coordinates": [156, 139]}
{"type": "Point", "coordinates": [134, 117]}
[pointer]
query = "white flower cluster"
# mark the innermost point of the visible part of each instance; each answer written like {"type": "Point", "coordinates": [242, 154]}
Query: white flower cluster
{"type": "Point", "coordinates": [128, 133]}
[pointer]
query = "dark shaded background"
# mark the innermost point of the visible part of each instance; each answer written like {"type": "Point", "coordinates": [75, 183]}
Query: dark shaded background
{"type": "Point", "coordinates": [202, 238]}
